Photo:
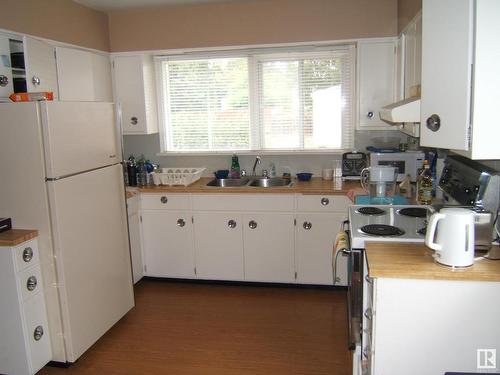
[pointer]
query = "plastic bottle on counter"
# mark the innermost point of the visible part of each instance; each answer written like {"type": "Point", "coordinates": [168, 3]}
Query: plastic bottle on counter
{"type": "Point", "coordinates": [142, 172]}
{"type": "Point", "coordinates": [132, 171]}
{"type": "Point", "coordinates": [424, 185]}
{"type": "Point", "coordinates": [235, 167]}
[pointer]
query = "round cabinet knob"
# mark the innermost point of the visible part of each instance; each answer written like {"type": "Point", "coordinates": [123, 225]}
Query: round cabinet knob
{"type": "Point", "coordinates": [31, 283]}
{"type": "Point", "coordinates": [163, 199]}
{"type": "Point", "coordinates": [307, 225]}
{"type": "Point", "coordinates": [181, 222]}
{"type": "Point", "coordinates": [231, 224]}
{"type": "Point", "coordinates": [466, 190]}
{"type": "Point", "coordinates": [4, 81]}
{"type": "Point", "coordinates": [27, 254]}
{"type": "Point", "coordinates": [433, 123]}
{"type": "Point", "coordinates": [252, 224]}
{"type": "Point", "coordinates": [38, 333]}
{"type": "Point", "coordinates": [325, 201]}
{"type": "Point", "coordinates": [369, 114]}
{"type": "Point", "coordinates": [35, 81]}
{"type": "Point", "coordinates": [134, 120]}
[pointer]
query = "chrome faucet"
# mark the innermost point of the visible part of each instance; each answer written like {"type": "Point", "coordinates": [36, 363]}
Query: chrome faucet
{"type": "Point", "coordinates": [257, 161]}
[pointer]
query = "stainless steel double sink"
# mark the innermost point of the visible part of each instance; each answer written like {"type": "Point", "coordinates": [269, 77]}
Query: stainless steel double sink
{"type": "Point", "coordinates": [250, 182]}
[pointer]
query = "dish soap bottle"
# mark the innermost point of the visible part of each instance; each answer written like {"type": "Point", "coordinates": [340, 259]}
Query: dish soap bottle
{"type": "Point", "coordinates": [235, 167]}
{"type": "Point", "coordinates": [424, 185]}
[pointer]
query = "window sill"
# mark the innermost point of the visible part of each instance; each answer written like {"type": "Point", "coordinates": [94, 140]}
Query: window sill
{"type": "Point", "coordinates": [254, 152]}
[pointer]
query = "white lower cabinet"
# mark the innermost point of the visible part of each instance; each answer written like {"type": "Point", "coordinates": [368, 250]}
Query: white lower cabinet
{"type": "Point", "coordinates": [219, 245]}
{"type": "Point", "coordinates": [314, 241]}
{"type": "Point", "coordinates": [24, 333]}
{"type": "Point", "coordinates": [134, 230]}
{"type": "Point", "coordinates": [168, 241]}
{"type": "Point", "coordinates": [269, 247]}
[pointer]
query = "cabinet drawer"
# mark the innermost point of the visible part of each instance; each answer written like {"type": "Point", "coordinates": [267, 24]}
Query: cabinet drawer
{"type": "Point", "coordinates": [323, 203]}
{"type": "Point", "coordinates": [243, 202]}
{"type": "Point", "coordinates": [165, 202]}
{"type": "Point", "coordinates": [26, 255]}
{"type": "Point", "coordinates": [30, 282]}
{"type": "Point", "coordinates": [37, 332]}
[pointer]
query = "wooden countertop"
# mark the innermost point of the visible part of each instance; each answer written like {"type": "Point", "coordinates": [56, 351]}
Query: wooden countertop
{"type": "Point", "coordinates": [14, 237]}
{"type": "Point", "coordinates": [316, 186]}
{"type": "Point", "coordinates": [415, 261]}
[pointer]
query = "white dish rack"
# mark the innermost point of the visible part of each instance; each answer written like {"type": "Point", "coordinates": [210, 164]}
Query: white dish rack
{"type": "Point", "coordinates": [177, 176]}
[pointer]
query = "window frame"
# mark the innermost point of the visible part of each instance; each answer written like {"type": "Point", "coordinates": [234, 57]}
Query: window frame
{"type": "Point", "coordinates": [254, 55]}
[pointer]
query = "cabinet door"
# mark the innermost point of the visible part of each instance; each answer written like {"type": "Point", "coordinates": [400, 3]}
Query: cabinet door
{"type": "Point", "coordinates": [413, 56]}
{"type": "Point", "coordinates": [219, 245]}
{"type": "Point", "coordinates": [268, 242]}
{"type": "Point", "coordinates": [447, 51]}
{"type": "Point", "coordinates": [168, 244]}
{"type": "Point", "coordinates": [134, 94]}
{"type": "Point", "coordinates": [6, 86]}
{"type": "Point", "coordinates": [376, 77]}
{"type": "Point", "coordinates": [134, 230]}
{"type": "Point", "coordinates": [314, 242]}
{"type": "Point", "coordinates": [41, 72]}
{"type": "Point", "coordinates": [101, 69]}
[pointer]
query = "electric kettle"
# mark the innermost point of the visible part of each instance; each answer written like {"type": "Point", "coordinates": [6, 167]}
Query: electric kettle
{"type": "Point", "coordinates": [451, 233]}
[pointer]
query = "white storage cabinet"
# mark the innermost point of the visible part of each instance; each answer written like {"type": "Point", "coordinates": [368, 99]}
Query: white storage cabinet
{"type": "Point", "coordinates": [40, 61]}
{"type": "Point", "coordinates": [24, 340]}
{"type": "Point", "coordinates": [460, 80]}
{"type": "Point", "coordinates": [135, 91]}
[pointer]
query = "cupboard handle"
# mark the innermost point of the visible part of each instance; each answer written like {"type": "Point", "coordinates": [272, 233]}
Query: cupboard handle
{"type": "Point", "coordinates": [163, 199]}
{"type": "Point", "coordinates": [27, 254]}
{"type": "Point", "coordinates": [325, 201]}
{"type": "Point", "coordinates": [366, 352]}
{"type": "Point", "coordinates": [4, 80]}
{"type": "Point", "coordinates": [433, 123]}
{"type": "Point", "coordinates": [368, 314]}
{"type": "Point", "coordinates": [231, 224]}
{"type": "Point", "coordinates": [35, 81]}
{"type": "Point", "coordinates": [181, 222]}
{"type": "Point", "coordinates": [368, 279]}
{"type": "Point", "coordinates": [252, 224]}
{"type": "Point", "coordinates": [134, 120]}
{"type": "Point", "coordinates": [31, 283]}
{"type": "Point", "coordinates": [38, 333]}
{"type": "Point", "coordinates": [369, 114]}
{"type": "Point", "coordinates": [307, 225]}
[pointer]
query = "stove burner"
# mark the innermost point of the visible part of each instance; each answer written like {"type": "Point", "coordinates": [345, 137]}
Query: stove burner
{"type": "Point", "coordinates": [413, 212]}
{"type": "Point", "coordinates": [382, 230]}
{"type": "Point", "coordinates": [371, 211]}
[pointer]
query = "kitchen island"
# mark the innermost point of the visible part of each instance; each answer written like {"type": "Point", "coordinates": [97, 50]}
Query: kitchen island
{"type": "Point", "coordinates": [424, 318]}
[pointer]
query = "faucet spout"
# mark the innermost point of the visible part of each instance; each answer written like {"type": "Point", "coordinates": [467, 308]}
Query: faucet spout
{"type": "Point", "coordinates": [257, 161]}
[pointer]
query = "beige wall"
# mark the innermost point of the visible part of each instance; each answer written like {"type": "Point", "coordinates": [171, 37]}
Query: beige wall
{"type": "Point", "coordinates": [250, 22]}
{"type": "Point", "coordinates": [61, 20]}
{"type": "Point", "coordinates": [407, 9]}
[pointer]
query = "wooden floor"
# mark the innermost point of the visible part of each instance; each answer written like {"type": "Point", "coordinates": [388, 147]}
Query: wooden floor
{"type": "Point", "coordinates": [183, 328]}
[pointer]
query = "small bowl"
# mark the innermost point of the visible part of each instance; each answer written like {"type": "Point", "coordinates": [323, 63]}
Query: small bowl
{"type": "Point", "coordinates": [221, 173]}
{"type": "Point", "coordinates": [303, 176]}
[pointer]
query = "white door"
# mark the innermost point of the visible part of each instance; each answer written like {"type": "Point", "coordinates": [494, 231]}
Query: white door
{"type": "Point", "coordinates": [219, 245]}
{"type": "Point", "coordinates": [89, 228]}
{"type": "Point", "coordinates": [168, 244]}
{"type": "Point", "coordinates": [41, 71]}
{"type": "Point", "coordinates": [134, 228]}
{"type": "Point", "coordinates": [101, 69]}
{"type": "Point", "coordinates": [447, 51]}
{"type": "Point", "coordinates": [315, 237]}
{"type": "Point", "coordinates": [269, 247]}
{"type": "Point", "coordinates": [78, 136]}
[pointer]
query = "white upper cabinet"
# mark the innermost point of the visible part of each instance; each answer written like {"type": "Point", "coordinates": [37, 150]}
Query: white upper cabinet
{"type": "Point", "coordinates": [136, 94]}
{"type": "Point", "coordinates": [41, 71]}
{"type": "Point", "coordinates": [460, 80]}
{"type": "Point", "coordinates": [412, 38]}
{"type": "Point", "coordinates": [6, 87]}
{"type": "Point", "coordinates": [376, 81]}
{"type": "Point", "coordinates": [83, 75]}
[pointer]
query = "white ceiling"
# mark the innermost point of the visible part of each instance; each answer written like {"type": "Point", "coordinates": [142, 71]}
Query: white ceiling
{"type": "Point", "coordinates": [107, 5]}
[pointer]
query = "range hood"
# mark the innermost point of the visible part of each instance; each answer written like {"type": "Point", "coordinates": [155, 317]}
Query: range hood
{"type": "Point", "coordinates": [407, 110]}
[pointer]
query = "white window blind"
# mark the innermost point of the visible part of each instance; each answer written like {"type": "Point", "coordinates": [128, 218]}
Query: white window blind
{"type": "Point", "coordinates": [259, 100]}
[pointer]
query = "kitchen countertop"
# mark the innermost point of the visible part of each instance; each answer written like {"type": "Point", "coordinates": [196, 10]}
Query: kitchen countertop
{"type": "Point", "coordinates": [14, 237]}
{"type": "Point", "coordinates": [315, 186]}
{"type": "Point", "coordinates": [414, 261]}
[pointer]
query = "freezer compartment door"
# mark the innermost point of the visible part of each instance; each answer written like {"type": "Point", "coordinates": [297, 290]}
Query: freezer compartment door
{"type": "Point", "coordinates": [92, 255]}
{"type": "Point", "coordinates": [78, 136]}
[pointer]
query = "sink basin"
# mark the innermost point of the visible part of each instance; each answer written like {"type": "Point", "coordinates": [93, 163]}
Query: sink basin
{"type": "Point", "coordinates": [228, 182]}
{"type": "Point", "coordinates": [271, 182]}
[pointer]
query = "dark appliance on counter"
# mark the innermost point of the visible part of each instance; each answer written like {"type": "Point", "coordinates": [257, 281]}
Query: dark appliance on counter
{"type": "Point", "coordinates": [352, 165]}
{"type": "Point", "coordinates": [5, 224]}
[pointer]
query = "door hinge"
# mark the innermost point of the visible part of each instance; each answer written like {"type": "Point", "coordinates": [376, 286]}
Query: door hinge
{"type": "Point", "coordinates": [469, 136]}
{"type": "Point", "coordinates": [145, 268]}
{"type": "Point", "coordinates": [295, 275]}
{"type": "Point", "coordinates": [55, 54]}
{"type": "Point", "coordinates": [195, 270]}
{"type": "Point", "coordinates": [140, 218]}
{"type": "Point", "coordinates": [113, 64]}
{"type": "Point", "coordinates": [295, 222]}
{"type": "Point", "coordinates": [192, 219]}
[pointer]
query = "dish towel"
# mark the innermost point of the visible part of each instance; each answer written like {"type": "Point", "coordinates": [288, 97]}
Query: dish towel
{"type": "Point", "coordinates": [341, 245]}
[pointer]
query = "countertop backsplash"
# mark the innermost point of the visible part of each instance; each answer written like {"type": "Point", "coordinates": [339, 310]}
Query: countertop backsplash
{"type": "Point", "coordinates": [149, 145]}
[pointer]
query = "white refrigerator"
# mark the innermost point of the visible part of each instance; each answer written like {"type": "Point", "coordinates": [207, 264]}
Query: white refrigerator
{"type": "Point", "coordinates": [60, 174]}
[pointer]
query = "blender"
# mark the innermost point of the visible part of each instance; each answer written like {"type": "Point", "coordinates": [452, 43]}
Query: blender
{"type": "Point", "coordinates": [380, 183]}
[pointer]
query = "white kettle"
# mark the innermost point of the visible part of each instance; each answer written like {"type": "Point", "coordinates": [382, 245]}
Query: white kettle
{"type": "Point", "coordinates": [451, 233]}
